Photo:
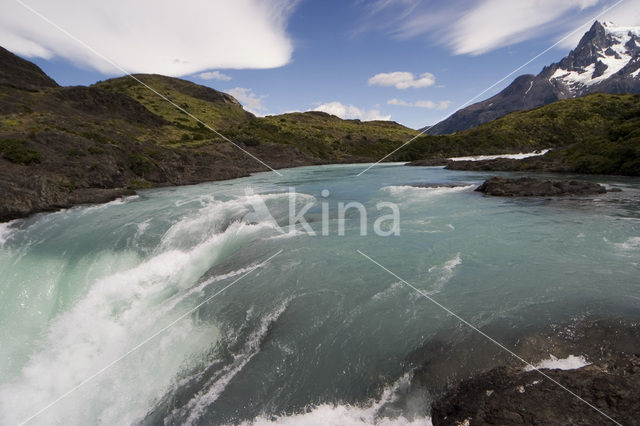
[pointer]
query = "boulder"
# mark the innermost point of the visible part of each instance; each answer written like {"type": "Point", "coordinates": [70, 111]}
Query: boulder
{"type": "Point", "coordinates": [531, 187]}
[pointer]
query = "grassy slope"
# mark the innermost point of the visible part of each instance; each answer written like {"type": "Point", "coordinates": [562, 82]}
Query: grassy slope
{"type": "Point", "coordinates": [594, 134]}
{"type": "Point", "coordinates": [61, 146]}
{"type": "Point", "coordinates": [326, 136]}
{"type": "Point", "coordinates": [121, 129]}
{"type": "Point", "coordinates": [560, 124]}
{"type": "Point", "coordinates": [316, 135]}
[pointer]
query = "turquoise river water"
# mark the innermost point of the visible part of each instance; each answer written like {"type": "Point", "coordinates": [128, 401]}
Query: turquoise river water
{"type": "Point", "coordinates": [113, 314]}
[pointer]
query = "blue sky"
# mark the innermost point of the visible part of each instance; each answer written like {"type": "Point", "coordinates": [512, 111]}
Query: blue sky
{"type": "Point", "coordinates": [284, 55]}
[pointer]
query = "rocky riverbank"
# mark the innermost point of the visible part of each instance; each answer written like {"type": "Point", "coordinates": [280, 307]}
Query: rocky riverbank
{"type": "Point", "coordinates": [509, 396]}
{"type": "Point", "coordinates": [473, 382]}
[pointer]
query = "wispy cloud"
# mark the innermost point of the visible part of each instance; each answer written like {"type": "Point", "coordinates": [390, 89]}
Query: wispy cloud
{"type": "Point", "coordinates": [439, 105]}
{"type": "Point", "coordinates": [249, 100]}
{"type": "Point", "coordinates": [402, 80]}
{"type": "Point", "coordinates": [498, 23]}
{"type": "Point", "coordinates": [213, 75]}
{"type": "Point", "coordinates": [478, 26]}
{"type": "Point", "coordinates": [351, 112]}
{"type": "Point", "coordinates": [154, 35]}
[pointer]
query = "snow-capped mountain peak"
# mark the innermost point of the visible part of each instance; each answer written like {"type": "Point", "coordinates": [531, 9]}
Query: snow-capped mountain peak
{"type": "Point", "coordinates": [603, 52]}
{"type": "Point", "coordinates": [606, 60]}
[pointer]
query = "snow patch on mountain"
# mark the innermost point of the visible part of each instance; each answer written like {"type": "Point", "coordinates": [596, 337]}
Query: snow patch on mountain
{"type": "Point", "coordinates": [529, 89]}
{"type": "Point", "coordinates": [610, 61]}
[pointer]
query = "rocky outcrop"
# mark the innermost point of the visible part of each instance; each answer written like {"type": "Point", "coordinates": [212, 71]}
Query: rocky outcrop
{"type": "Point", "coordinates": [98, 102]}
{"type": "Point", "coordinates": [531, 187]}
{"type": "Point", "coordinates": [512, 396]}
{"type": "Point", "coordinates": [471, 381]}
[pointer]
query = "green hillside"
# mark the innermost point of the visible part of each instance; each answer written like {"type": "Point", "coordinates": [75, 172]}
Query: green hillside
{"type": "Point", "coordinates": [560, 124]}
{"type": "Point", "coordinates": [61, 146]}
{"type": "Point", "coordinates": [315, 134]}
{"type": "Point", "coordinates": [597, 134]}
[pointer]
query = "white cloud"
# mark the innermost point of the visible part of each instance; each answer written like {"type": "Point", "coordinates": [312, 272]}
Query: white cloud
{"type": "Point", "coordinates": [351, 112]}
{"type": "Point", "coordinates": [498, 23]}
{"type": "Point", "coordinates": [249, 100]}
{"type": "Point", "coordinates": [477, 26]}
{"type": "Point", "coordinates": [214, 75]}
{"type": "Point", "coordinates": [153, 36]}
{"type": "Point", "coordinates": [439, 105]}
{"type": "Point", "coordinates": [402, 80]}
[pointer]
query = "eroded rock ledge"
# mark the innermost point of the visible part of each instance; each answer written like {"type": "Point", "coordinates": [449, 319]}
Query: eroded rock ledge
{"type": "Point", "coordinates": [509, 396]}
{"type": "Point", "coordinates": [532, 187]}
{"type": "Point", "coordinates": [475, 383]}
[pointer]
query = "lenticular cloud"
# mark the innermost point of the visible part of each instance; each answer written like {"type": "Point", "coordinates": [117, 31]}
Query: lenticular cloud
{"type": "Point", "coordinates": [160, 36]}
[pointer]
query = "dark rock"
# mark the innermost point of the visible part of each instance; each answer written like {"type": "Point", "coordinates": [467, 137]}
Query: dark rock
{"type": "Point", "coordinates": [21, 74]}
{"type": "Point", "coordinates": [452, 355]}
{"type": "Point", "coordinates": [471, 379]}
{"type": "Point", "coordinates": [42, 195]}
{"type": "Point", "coordinates": [112, 105]}
{"type": "Point", "coordinates": [600, 69]}
{"type": "Point", "coordinates": [531, 187]}
{"type": "Point", "coordinates": [512, 396]}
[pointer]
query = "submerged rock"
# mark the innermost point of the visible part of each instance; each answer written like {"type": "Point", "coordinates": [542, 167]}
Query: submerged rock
{"type": "Point", "coordinates": [507, 395]}
{"type": "Point", "coordinates": [532, 187]}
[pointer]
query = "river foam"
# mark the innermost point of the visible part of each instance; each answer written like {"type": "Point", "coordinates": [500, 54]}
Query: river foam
{"type": "Point", "coordinates": [120, 311]}
{"type": "Point", "coordinates": [198, 404]}
{"type": "Point", "coordinates": [338, 415]}
{"type": "Point", "coordinates": [571, 362]}
{"type": "Point", "coordinates": [519, 156]}
{"type": "Point", "coordinates": [369, 413]}
{"type": "Point", "coordinates": [425, 192]}
{"type": "Point", "coordinates": [7, 230]}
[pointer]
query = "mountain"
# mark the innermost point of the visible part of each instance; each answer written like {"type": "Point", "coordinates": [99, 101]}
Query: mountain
{"type": "Point", "coordinates": [61, 146]}
{"type": "Point", "coordinates": [606, 60]}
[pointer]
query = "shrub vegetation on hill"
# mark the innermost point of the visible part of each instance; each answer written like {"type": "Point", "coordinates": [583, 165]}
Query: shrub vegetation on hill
{"type": "Point", "coordinates": [598, 134]}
